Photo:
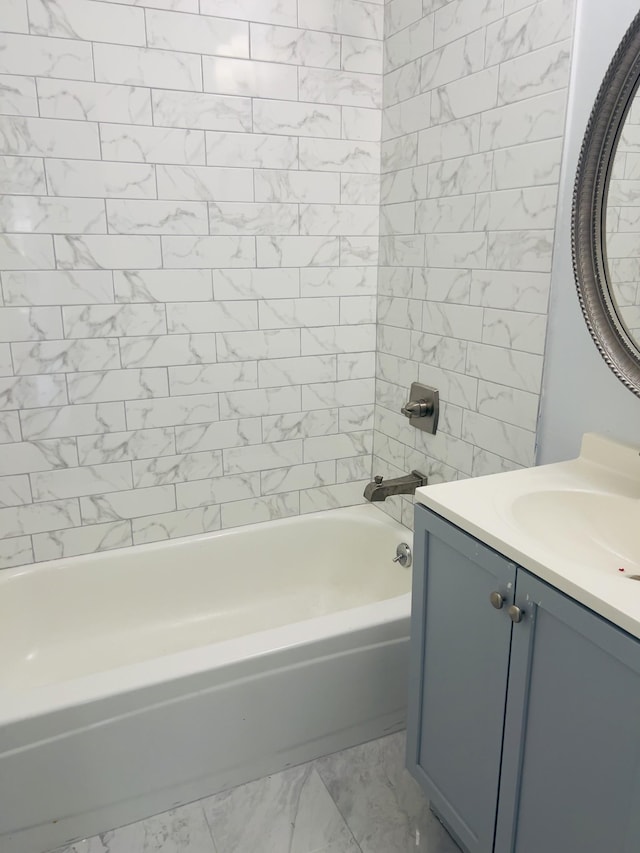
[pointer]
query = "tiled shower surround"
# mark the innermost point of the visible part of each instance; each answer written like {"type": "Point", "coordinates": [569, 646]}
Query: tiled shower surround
{"type": "Point", "coordinates": [189, 266]}
{"type": "Point", "coordinates": [474, 110]}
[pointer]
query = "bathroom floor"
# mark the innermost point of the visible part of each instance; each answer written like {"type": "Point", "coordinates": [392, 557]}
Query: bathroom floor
{"type": "Point", "coordinates": [361, 800]}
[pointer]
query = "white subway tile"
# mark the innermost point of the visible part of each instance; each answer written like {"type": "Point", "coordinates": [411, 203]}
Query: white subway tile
{"type": "Point", "coordinates": [125, 446]}
{"type": "Point", "coordinates": [48, 137]}
{"type": "Point", "coordinates": [270, 11]}
{"type": "Point", "coordinates": [205, 111]}
{"type": "Point", "coordinates": [338, 339]}
{"type": "Point", "coordinates": [151, 144]}
{"type": "Point", "coordinates": [14, 16]}
{"type": "Point", "coordinates": [260, 457]}
{"type": "Point", "coordinates": [22, 175]}
{"type": "Point", "coordinates": [210, 378]}
{"type": "Point", "coordinates": [162, 285]}
{"type": "Point", "coordinates": [205, 183]}
{"type": "Point", "coordinates": [157, 217]}
{"type": "Point", "coordinates": [171, 525]}
{"type": "Point", "coordinates": [9, 422]}
{"type": "Point", "coordinates": [185, 252]}
{"type": "Point", "coordinates": [171, 411]}
{"type": "Point", "coordinates": [295, 46]}
{"type": "Point", "coordinates": [197, 33]}
{"type": "Point", "coordinates": [460, 17]}
{"type": "Point", "coordinates": [339, 156]}
{"type": "Point", "coordinates": [111, 385]}
{"type": "Point", "coordinates": [137, 66]}
{"type": "Point", "coordinates": [297, 251]}
{"type": "Point", "coordinates": [82, 540]}
{"type": "Point", "coordinates": [74, 482]}
{"type": "Point", "coordinates": [341, 281]}
{"type": "Point", "coordinates": [297, 186]}
{"type": "Point", "coordinates": [341, 87]}
{"type": "Point", "coordinates": [269, 508]}
{"type": "Point", "coordinates": [105, 321]}
{"type": "Point", "coordinates": [246, 404]}
{"type": "Point", "coordinates": [46, 57]}
{"type": "Point", "coordinates": [285, 313]}
{"type": "Point", "coordinates": [36, 518]}
{"type": "Point", "coordinates": [80, 420]}
{"type": "Point", "coordinates": [332, 497]}
{"type": "Point", "coordinates": [73, 19]}
{"type": "Point", "coordinates": [361, 123]}
{"type": "Point", "coordinates": [38, 214]}
{"type": "Point", "coordinates": [296, 371]}
{"type": "Point", "coordinates": [110, 180]}
{"type": "Point", "coordinates": [361, 55]}
{"type": "Point", "coordinates": [271, 219]}
{"type": "Point", "coordinates": [338, 446]}
{"type": "Point", "coordinates": [329, 395]}
{"type": "Point", "coordinates": [107, 252]}
{"type": "Point", "coordinates": [295, 477]}
{"type": "Point", "coordinates": [217, 490]}
{"type": "Point", "coordinates": [299, 425]}
{"type": "Point", "coordinates": [296, 119]}
{"type": "Point", "coordinates": [72, 99]}
{"type": "Point", "coordinates": [165, 350]}
{"type": "Point", "coordinates": [357, 219]}
{"type": "Point", "coordinates": [248, 78]}
{"type": "Point", "coordinates": [14, 491]}
{"type": "Point", "coordinates": [256, 283]}
{"type": "Point", "coordinates": [28, 457]}
{"type": "Point", "coordinates": [168, 470]}
{"type": "Point", "coordinates": [18, 95]}
{"type": "Point", "coordinates": [348, 17]}
{"type": "Point", "coordinates": [65, 356]}
{"type": "Point", "coordinates": [30, 324]}
{"type": "Point", "coordinates": [138, 502]}
{"type": "Point", "coordinates": [268, 344]}
{"type": "Point", "coordinates": [26, 252]}
{"type": "Point", "coordinates": [217, 436]}
{"type": "Point", "coordinates": [251, 150]}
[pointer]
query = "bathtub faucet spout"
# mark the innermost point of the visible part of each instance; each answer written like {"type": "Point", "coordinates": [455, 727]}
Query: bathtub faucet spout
{"type": "Point", "coordinates": [380, 489]}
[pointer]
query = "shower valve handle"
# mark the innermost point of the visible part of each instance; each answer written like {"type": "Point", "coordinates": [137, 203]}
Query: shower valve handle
{"type": "Point", "coordinates": [418, 409]}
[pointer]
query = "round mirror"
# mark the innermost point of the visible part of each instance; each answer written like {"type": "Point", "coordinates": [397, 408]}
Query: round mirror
{"type": "Point", "coordinates": [606, 215]}
{"type": "Point", "coordinates": [622, 225]}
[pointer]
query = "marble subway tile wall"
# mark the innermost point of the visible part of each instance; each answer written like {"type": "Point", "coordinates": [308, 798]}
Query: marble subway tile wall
{"type": "Point", "coordinates": [473, 123]}
{"type": "Point", "coordinates": [190, 229]}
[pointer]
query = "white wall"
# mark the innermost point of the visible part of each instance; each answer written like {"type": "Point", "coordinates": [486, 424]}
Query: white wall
{"type": "Point", "coordinates": [188, 265]}
{"type": "Point", "coordinates": [580, 393]}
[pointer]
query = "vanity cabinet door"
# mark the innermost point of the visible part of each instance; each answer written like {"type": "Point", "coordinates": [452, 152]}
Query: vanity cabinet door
{"type": "Point", "coordinates": [571, 767]}
{"type": "Point", "coordinates": [460, 646]}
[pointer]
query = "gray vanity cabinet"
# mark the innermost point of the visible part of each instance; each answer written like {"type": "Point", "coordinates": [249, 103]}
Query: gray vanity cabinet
{"type": "Point", "coordinates": [461, 644]}
{"type": "Point", "coordinates": [525, 735]}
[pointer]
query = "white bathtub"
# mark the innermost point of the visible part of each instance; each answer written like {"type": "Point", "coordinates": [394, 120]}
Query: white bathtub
{"type": "Point", "coordinates": [139, 679]}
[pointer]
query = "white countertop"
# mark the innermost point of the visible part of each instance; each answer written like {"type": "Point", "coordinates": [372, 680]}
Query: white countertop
{"type": "Point", "coordinates": [573, 524]}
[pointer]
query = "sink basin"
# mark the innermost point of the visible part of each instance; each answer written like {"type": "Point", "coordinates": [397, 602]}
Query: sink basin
{"type": "Point", "coordinates": [597, 529]}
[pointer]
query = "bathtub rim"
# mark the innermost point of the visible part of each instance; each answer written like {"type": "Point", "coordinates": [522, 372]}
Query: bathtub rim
{"type": "Point", "coordinates": [22, 705]}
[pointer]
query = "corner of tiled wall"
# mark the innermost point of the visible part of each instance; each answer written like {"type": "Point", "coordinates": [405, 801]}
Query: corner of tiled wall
{"type": "Point", "coordinates": [190, 220]}
{"type": "Point", "coordinates": [473, 123]}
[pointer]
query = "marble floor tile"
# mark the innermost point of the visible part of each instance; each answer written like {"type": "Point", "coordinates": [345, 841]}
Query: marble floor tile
{"type": "Point", "coordinates": [384, 808]}
{"type": "Point", "coordinates": [183, 830]}
{"type": "Point", "coordinates": [289, 812]}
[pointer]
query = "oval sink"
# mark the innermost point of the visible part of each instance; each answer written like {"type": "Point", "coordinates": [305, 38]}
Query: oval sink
{"type": "Point", "coordinates": [596, 529]}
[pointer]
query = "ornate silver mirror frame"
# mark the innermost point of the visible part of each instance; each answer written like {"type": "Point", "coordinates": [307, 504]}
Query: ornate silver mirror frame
{"type": "Point", "coordinates": [589, 210]}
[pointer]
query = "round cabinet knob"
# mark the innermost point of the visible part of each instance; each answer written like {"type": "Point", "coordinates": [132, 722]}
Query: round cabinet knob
{"type": "Point", "coordinates": [515, 614]}
{"type": "Point", "coordinates": [496, 600]}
